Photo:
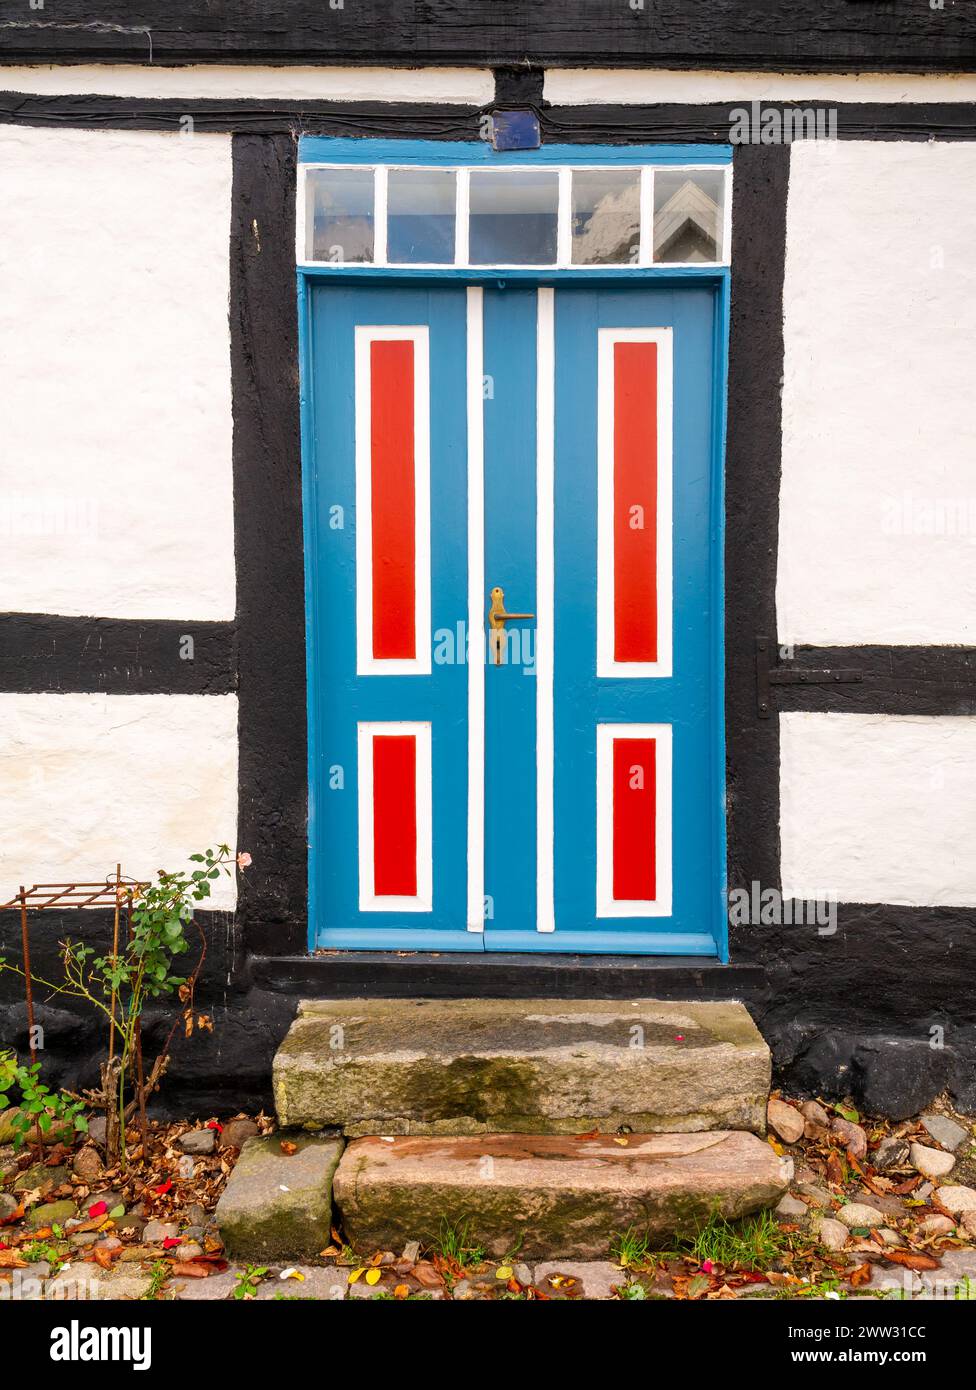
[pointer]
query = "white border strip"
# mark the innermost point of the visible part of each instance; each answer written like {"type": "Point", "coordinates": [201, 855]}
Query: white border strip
{"type": "Point", "coordinates": [366, 664]}
{"type": "Point", "coordinates": [545, 605]}
{"type": "Point", "coordinates": [606, 904]}
{"type": "Point", "coordinates": [476, 609]}
{"type": "Point", "coordinates": [424, 900]}
{"type": "Point", "coordinates": [606, 665]}
{"type": "Point", "coordinates": [465, 86]}
{"type": "Point", "coordinates": [644, 86]}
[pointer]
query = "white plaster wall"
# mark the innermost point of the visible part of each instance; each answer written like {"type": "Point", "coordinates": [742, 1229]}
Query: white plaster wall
{"type": "Point", "coordinates": [115, 432]}
{"type": "Point", "coordinates": [450, 86]}
{"type": "Point", "coordinates": [878, 496]}
{"type": "Point", "coordinates": [587, 86]}
{"type": "Point", "coordinates": [878, 808]}
{"type": "Point", "coordinates": [92, 780]}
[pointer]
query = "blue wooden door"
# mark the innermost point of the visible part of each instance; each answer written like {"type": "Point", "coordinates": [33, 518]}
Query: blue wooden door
{"type": "Point", "coordinates": [386, 507]}
{"type": "Point", "coordinates": [540, 465]}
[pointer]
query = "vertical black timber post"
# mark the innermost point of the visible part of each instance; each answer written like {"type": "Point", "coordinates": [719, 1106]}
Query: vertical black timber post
{"type": "Point", "coordinates": [272, 776]}
{"type": "Point", "coordinates": [753, 463]}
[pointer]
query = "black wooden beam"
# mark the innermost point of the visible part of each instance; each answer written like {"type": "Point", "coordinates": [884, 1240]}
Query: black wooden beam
{"type": "Point", "coordinates": [906, 35]}
{"type": "Point", "coordinates": [752, 474]}
{"type": "Point", "coordinates": [272, 750]}
{"type": "Point", "coordinates": [583, 125]}
{"type": "Point", "coordinates": [894, 680]}
{"type": "Point", "coordinates": [501, 975]}
{"type": "Point", "coordinates": [43, 652]}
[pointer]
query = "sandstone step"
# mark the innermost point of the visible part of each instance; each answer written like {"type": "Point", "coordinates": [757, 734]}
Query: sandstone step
{"type": "Point", "coordinates": [537, 1066]}
{"type": "Point", "coordinates": [278, 1205]}
{"type": "Point", "coordinates": [550, 1195]}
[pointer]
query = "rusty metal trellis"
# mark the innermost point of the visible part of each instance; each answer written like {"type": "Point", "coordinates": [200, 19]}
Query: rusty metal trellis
{"type": "Point", "coordinates": [116, 893]}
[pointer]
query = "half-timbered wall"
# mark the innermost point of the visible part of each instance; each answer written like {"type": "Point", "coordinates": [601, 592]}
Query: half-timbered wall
{"type": "Point", "coordinates": [147, 330]}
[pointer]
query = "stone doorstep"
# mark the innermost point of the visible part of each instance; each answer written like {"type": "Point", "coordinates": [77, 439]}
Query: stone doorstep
{"type": "Point", "coordinates": [538, 1066]}
{"type": "Point", "coordinates": [278, 1205]}
{"type": "Point", "coordinates": [550, 1196]}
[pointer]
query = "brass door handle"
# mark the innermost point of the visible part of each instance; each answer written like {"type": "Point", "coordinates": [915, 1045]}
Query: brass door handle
{"type": "Point", "coordinates": [497, 618]}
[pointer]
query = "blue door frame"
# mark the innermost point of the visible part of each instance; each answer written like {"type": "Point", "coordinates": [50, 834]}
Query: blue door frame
{"type": "Point", "coordinates": [334, 919]}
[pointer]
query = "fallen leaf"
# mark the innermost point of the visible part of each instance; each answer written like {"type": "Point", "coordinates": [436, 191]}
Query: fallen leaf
{"type": "Point", "coordinates": [911, 1261]}
{"type": "Point", "coordinates": [15, 1215]}
{"type": "Point", "coordinates": [98, 1209]}
{"type": "Point", "coordinates": [401, 1291]}
{"type": "Point", "coordinates": [427, 1275]}
{"type": "Point", "coordinates": [374, 1275]}
{"type": "Point", "coordinates": [103, 1258]}
{"type": "Point", "coordinates": [9, 1259]}
{"type": "Point", "coordinates": [171, 1242]}
{"type": "Point", "coordinates": [288, 1147]}
{"type": "Point", "coordinates": [835, 1169]}
{"type": "Point", "coordinates": [292, 1273]}
{"type": "Point", "coordinates": [622, 1142]}
{"type": "Point", "coordinates": [503, 1272]}
{"type": "Point", "coordinates": [776, 1147]}
{"type": "Point", "coordinates": [861, 1275]}
{"type": "Point", "coordinates": [192, 1269]}
{"type": "Point", "coordinates": [908, 1186]}
{"type": "Point", "coordinates": [355, 1274]}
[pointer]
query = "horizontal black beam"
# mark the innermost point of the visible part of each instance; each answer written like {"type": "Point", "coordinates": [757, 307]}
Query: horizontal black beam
{"type": "Point", "coordinates": [611, 125]}
{"type": "Point", "coordinates": [906, 35]}
{"type": "Point", "coordinates": [499, 975]}
{"type": "Point", "coordinates": [365, 119]}
{"type": "Point", "coordinates": [895, 680]}
{"type": "Point", "coordinates": [42, 652]}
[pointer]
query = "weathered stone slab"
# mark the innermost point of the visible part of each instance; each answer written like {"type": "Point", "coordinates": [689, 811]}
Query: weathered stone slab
{"type": "Point", "coordinates": [277, 1206]}
{"type": "Point", "coordinates": [470, 1066]}
{"type": "Point", "coordinates": [553, 1196]}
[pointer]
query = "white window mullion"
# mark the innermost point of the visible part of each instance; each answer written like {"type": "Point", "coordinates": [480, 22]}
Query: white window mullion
{"type": "Point", "coordinates": [725, 250]}
{"type": "Point", "coordinates": [379, 214]}
{"type": "Point", "coordinates": [645, 255]}
{"type": "Point", "coordinates": [564, 218]}
{"type": "Point", "coordinates": [461, 229]}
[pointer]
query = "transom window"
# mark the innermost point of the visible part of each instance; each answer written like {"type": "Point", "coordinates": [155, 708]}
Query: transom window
{"type": "Point", "coordinates": [602, 216]}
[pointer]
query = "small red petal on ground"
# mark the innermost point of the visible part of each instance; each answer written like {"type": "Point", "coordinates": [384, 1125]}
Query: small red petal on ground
{"type": "Point", "coordinates": [164, 1186]}
{"type": "Point", "coordinates": [98, 1209]}
{"type": "Point", "coordinates": [171, 1241]}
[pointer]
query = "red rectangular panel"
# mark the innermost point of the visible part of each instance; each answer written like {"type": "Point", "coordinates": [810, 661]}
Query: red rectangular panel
{"type": "Point", "coordinates": [395, 815]}
{"type": "Point", "coordinates": [393, 499]}
{"type": "Point", "coordinates": [635, 501]}
{"type": "Point", "coordinates": [634, 818]}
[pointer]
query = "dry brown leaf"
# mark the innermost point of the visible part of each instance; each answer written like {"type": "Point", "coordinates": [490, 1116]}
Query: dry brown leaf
{"type": "Point", "coordinates": [401, 1291]}
{"type": "Point", "coordinates": [192, 1269]}
{"type": "Point", "coordinates": [912, 1261]}
{"type": "Point", "coordinates": [288, 1147]}
{"type": "Point", "coordinates": [9, 1259]}
{"type": "Point", "coordinates": [426, 1275]}
{"type": "Point", "coordinates": [861, 1275]}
